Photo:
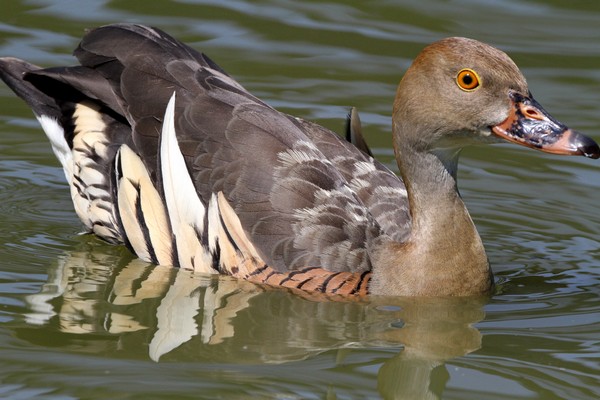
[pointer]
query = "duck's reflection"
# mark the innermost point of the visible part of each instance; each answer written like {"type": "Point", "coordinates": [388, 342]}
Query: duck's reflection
{"type": "Point", "coordinates": [435, 330]}
{"type": "Point", "coordinates": [181, 315]}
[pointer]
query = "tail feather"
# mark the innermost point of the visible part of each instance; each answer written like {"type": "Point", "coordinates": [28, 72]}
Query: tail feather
{"type": "Point", "coordinates": [84, 138]}
{"type": "Point", "coordinates": [12, 72]}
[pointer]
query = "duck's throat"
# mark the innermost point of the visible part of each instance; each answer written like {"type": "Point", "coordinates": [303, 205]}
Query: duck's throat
{"type": "Point", "coordinates": [444, 254]}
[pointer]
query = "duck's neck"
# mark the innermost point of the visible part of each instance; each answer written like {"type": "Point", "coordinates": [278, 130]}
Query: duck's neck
{"type": "Point", "coordinates": [444, 254]}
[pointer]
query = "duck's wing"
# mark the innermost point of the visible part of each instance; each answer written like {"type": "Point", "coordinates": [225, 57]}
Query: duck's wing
{"type": "Point", "coordinates": [287, 187]}
{"type": "Point", "coordinates": [378, 188]}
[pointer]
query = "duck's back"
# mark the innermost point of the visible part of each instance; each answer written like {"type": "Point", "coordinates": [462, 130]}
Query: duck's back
{"type": "Point", "coordinates": [226, 172]}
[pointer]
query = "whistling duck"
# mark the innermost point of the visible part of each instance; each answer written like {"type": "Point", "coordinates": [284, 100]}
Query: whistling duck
{"type": "Point", "coordinates": [166, 153]}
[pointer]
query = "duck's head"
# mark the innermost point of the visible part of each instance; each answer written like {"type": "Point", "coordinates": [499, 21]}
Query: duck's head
{"type": "Point", "coordinates": [460, 91]}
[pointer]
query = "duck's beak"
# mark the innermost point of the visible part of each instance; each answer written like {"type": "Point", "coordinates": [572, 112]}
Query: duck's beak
{"type": "Point", "coordinates": [530, 125]}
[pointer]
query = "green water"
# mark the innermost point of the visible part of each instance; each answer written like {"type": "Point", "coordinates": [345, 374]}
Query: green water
{"type": "Point", "coordinates": [80, 319]}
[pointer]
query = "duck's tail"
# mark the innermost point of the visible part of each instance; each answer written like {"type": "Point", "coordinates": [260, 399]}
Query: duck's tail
{"type": "Point", "coordinates": [158, 216]}
{"type": "Point", "coordinates": [84, 137]}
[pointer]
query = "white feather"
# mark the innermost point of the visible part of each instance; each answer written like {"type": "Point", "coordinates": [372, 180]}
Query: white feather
{"type": "Point", "coordinates": [186, 210]}
{"type": "Point", "coordinates": [56, 135]}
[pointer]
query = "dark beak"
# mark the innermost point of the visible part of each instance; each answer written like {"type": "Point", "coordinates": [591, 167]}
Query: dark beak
{"type": "Point", "coordinates": [528, 124]}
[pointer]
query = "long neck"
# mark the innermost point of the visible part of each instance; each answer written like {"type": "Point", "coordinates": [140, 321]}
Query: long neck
{"type": "Point", "coordinates": [444, 254]}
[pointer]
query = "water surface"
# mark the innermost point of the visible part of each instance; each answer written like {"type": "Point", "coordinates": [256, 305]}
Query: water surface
{"type": "Point", "coordinates": [83, 319]}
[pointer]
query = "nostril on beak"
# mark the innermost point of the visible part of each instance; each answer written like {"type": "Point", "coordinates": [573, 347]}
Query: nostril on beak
{"type": "Point", "coordinates": [532, 113]}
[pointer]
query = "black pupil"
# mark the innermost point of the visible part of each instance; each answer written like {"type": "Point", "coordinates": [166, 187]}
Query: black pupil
{"type": "Point", "coordinates": [467, 79]}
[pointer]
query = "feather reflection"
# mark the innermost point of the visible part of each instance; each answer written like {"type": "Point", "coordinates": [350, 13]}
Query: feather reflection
{"type": "Point", "coordinates": [179, 315]}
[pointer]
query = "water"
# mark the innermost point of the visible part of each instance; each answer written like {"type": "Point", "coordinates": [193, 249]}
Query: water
{"type": "Point", "coordinates": [82, 319]}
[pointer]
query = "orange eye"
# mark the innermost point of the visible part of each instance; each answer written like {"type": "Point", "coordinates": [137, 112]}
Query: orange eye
{"type": "Point", "coordinates": [467, 80]}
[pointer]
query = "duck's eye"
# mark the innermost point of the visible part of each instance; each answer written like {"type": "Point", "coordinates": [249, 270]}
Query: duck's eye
{"type": "Point", "coordinates": [467, 80]}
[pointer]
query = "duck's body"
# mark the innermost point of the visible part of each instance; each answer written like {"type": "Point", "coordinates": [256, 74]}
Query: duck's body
{"type": "Point", "coordinates": [166, 153]}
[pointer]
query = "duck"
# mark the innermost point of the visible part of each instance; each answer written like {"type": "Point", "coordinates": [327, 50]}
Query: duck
{"type": "Point", "coordinates": [167, 154]}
